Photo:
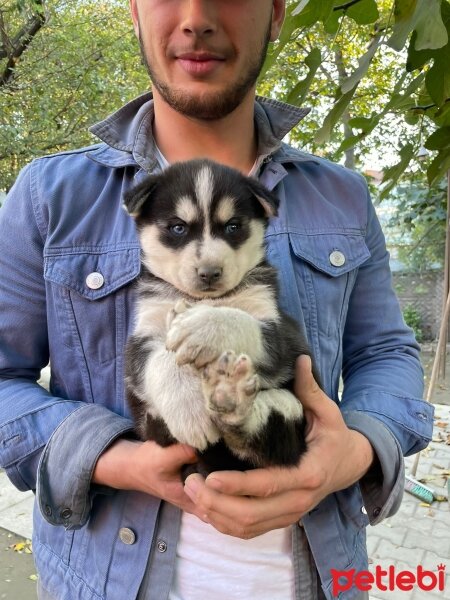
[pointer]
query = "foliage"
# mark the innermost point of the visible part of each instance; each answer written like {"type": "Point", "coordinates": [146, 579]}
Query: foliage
{"type": "Point", "coordinates": [413, 319]}
{"type": "Point", "coordinates": [374, 71]}
{"type": "Point", "coordinates": [420, 216]}
{"type": "Point", "coordinates": [80, 65]}
{"type": "Point", "coordinates": [386, 63]}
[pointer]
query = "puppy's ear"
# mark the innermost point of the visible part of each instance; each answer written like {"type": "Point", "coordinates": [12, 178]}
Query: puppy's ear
{"type": "Point", "coordinates": [135, 198]}
{"type": "Point", "coordinates": [267, 199]}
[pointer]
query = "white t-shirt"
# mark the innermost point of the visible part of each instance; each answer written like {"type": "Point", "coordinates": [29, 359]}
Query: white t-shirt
{"type": "Point", "coordinates": [214, 566]}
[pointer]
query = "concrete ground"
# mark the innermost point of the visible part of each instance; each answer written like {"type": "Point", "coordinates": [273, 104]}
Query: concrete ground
{"type": "Point", "coordinates": [418, 534]}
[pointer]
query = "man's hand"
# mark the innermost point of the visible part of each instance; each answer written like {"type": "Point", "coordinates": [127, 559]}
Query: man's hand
{"type": "Point", "coordinates": [253, 502]}
{"type": "Point", "coordinates": [147, 467]}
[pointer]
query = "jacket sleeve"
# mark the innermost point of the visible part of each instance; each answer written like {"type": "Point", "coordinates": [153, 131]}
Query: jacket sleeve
{"type": "Point", "coordinates": [383, 378]}
{"type": "Point", "coordinates": [30, 416]}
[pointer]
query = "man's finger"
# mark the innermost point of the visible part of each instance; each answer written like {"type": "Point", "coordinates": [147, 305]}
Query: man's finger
{"type": "Point", "coordinates": [306, 388]}
{"type": "Point", "coordinates": [248, 531]}
{"type": "Point", "coordinates": [257, 482]}
{"type": "Point", "coordinates": [179, 454]}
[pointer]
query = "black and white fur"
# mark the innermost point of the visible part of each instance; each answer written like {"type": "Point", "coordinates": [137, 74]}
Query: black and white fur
{"type": "Point", "coordinates": [211, 360]}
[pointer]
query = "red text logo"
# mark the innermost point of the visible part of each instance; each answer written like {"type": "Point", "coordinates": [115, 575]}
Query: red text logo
{"type": "Point", "coordinates": [388, 579]}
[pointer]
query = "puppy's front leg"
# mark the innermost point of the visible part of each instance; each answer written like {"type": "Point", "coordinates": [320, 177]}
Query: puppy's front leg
{"type": "Point", "coordinates": [201, 333]}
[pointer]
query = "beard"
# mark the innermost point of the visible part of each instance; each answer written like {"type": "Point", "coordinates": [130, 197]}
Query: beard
{"type": "Point", "coordinates": [209, 106]}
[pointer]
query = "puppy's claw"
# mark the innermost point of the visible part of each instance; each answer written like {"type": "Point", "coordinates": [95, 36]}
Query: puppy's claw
{"type": "Point", "coordinates": [181, 306]}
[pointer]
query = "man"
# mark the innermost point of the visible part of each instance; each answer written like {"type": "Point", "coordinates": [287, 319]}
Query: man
{"type": "Point", "coordinates": [101, 529]}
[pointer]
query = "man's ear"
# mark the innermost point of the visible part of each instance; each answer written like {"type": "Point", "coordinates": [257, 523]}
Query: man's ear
{"type": "Point", "coordinates": [267, 199]}
{"type": "Point", "coordinates": [134, 16]}
{"type": "Point", "coordinates": [278, 15]}
{"type": "Point", "coordinates": [135, 198]}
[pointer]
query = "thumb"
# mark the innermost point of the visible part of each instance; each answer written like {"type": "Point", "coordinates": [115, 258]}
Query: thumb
{"type": "Point", "coordinates": [306, 387]}
{"type": "Point", "coordinates": [180, 454]}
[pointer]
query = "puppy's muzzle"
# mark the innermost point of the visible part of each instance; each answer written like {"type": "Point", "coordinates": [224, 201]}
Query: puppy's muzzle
{"type": "Point", "coordinates": [209, 275]}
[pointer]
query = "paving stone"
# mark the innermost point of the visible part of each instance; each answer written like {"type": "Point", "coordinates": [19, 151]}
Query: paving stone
{"type": "Point", "coordinates": [19, 518]}
{"type": "Point", "coordinates": [9, 494]}
{"type": "Point", "coordinates": [414, 539]}
{"type": "Point", "coordinates": [372, 543]}
{"type": "Point", "coordinates": [434, 558]}
{"type": "Point", "coordinates": [388, 552]}
{"type": "Point", "coordinates": [392, 532]}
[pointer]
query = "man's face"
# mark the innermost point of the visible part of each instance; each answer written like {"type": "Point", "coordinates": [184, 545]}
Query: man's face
{"type": "Point", "coordinates": [204, 56]}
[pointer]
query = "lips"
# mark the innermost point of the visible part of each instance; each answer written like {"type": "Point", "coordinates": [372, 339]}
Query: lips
{"type": "Point", "coordinates": [200, 63]}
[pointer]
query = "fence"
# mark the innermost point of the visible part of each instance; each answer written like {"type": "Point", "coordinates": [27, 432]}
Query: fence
{"type": "Point", "coordinates": [423, 292]}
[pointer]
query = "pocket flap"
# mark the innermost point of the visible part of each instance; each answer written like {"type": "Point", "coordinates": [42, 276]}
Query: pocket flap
{"type": "Point", "coordinates": [93, 274]}
{"type": "Point", "coordinates": [331, 253]}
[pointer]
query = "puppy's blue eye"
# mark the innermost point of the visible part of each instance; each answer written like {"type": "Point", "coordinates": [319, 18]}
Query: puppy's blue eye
{"type": "Point", "coordinates": [178, 229]}
{"type": "Point", "coordinates": [232, 227]}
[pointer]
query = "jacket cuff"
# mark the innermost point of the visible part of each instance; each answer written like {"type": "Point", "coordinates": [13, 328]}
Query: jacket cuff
{"type": "Point", "coordinates": [382, 486]}
{"type": "Point", "coordinates": [67, 462]}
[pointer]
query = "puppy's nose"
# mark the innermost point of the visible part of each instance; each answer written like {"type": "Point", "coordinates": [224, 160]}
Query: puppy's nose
{"type": "Point", "coordinates": [209, 275]}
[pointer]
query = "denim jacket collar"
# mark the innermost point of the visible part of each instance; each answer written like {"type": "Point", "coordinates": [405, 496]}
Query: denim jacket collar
{"type": "Point", "coordinates": [129, 140]}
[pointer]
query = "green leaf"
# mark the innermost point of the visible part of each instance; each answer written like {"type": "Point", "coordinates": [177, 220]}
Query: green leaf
{"type": "Point", "coordinates": [442, 116]}
{"type": "Point", "coordinates": [439, 166]}
{"type": "Point", "coordinates": [363, 66]}
{"type": "Point", "coordinates": [431, 30]}
{"type": "Point", "coordinates": [331, 25]}
{"type": "Point", "coordinates": [393, 174]}
{"type": "Point", "coordinates": [298, 93]}
{"type": "Point", "coordinates": [364, 12]}
{"type": "Point", "coordinates": [366, 124]}
{"type": "Point", "coordinates": [439, 139]}
{"type": "Point", "coordinates": [404, 11]}
{"type": "Point", "coordinates": [350, 142]}
{"type": "Point", "coordinates": [418, 58]}
{"type": "Point", "coordinates": [437, 79]}
{"type": "Point", "coordinates": [423, 16]}
{"type": "Point", "coordinates": [309, 12]}
{"type": "Point", "coordinates": [324, 133]}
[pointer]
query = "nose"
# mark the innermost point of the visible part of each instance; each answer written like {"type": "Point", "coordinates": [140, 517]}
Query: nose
{"type": "Point", "coordinates": [199, 18]}
{"type": "Point", "coordinates": [209, 275]}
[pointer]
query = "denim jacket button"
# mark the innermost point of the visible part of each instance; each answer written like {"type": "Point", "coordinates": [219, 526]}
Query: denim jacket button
{"type": "Point", "coordinates": [376, 511]}
{"type": "Point", "coordinates": [162, 546]}
{"type": "Point", "coordinates": [127, 536]}
{"type": "Point", "coordinates": [363, 510]}
{"type": "Point", "coordinates": [65, 514]}
{"type": "Point", "coordinates": [337, 258]}
{"type": "Point", "coordinates": [95, 281]}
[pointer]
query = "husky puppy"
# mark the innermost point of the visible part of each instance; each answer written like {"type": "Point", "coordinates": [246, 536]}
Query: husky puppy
{"type": "Point", "coordinates": [211, 360]}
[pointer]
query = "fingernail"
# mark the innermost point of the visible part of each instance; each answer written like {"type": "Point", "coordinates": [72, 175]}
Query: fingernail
{"type": "Point", "coordinates": [214, 483]}
{"type": "Point", "coordinates": [192, 485]}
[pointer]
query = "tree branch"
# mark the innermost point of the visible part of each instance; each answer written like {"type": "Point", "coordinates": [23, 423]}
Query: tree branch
{"type": "Point", "coordinates": [20, 43]}
{"type": "Point", "coordinates": [347, 5]}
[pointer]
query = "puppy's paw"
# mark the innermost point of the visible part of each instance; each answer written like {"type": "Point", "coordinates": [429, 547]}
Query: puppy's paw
{"type": "Point", "coordinates": [180, 307]}
{"type": "Point", "coordinates": [230, 386]}
{"type": "Point", "coordinates": [194, 337]}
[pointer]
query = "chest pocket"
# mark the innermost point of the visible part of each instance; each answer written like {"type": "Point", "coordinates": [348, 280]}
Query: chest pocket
{"type": "Point", "coordinates": [325, 267]}
{"type": "Point", "coordinates": [91, 302]}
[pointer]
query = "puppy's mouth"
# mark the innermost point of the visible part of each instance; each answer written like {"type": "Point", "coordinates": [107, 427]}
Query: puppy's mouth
{"type": "Point", "coordinates": [207, 291]}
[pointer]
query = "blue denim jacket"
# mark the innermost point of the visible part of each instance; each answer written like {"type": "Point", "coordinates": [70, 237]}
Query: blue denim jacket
{"type": "Point", "coordinates": [63, 220]}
